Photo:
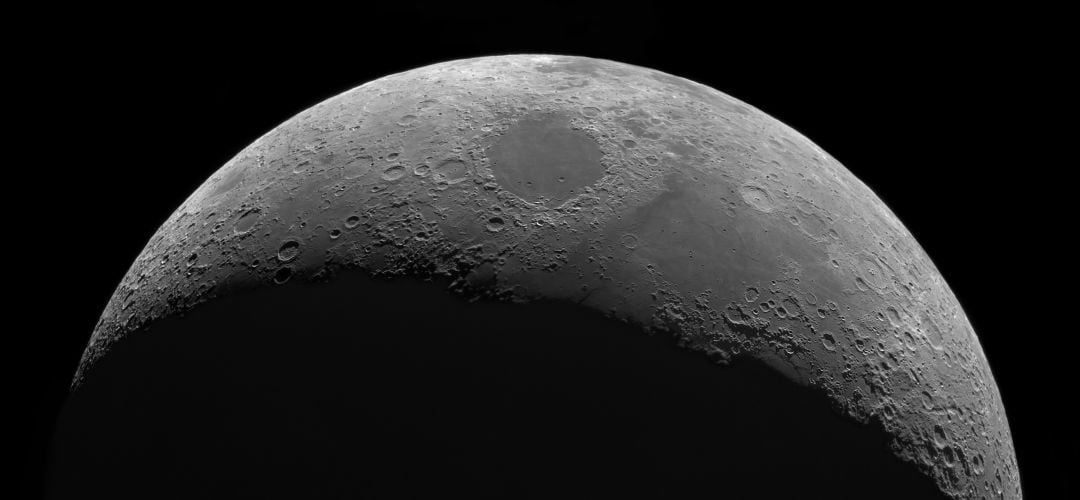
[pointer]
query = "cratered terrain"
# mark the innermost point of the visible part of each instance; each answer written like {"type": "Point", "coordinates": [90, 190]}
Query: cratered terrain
{"type": "Point", "coordinates": [517, 276]}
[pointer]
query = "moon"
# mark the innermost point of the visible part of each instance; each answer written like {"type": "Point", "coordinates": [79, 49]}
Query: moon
{"type": "Point", "coordinates": [544, 187]}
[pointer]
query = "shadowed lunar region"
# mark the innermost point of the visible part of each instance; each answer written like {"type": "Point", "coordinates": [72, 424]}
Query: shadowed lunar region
{"type": "Point", "coordinates": [533, 276]}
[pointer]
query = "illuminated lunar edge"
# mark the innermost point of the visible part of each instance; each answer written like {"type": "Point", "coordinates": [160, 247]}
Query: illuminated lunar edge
{"type": "Point", "coordinates": [648, 197]}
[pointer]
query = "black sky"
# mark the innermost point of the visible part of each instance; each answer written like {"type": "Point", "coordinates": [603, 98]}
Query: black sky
{"type": "Point", "coordinates": [129, 112]}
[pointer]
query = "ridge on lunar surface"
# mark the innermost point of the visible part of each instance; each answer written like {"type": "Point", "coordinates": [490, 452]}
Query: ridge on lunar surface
{"type": "Point", "coordinates": [641, 195]}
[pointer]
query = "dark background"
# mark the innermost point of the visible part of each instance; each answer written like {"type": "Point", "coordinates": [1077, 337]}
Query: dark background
{"type": "Point", "coordinates": [943, 115]}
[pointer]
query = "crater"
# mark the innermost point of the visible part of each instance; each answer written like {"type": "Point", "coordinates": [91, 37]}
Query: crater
{"type": "Point", "coordinates": [541, 156]}
{"type": "Point", "coordinates": [757, 197]}
{"type": "Point", "coordinates": [495, 224]}
{"type": "Point", "coordinates": [451, 171]}
{"type": "Point", "coordinates": [393, 173]}
{"type": "Point", "coordinates": [246, 221]}
{"type": "Point", "coordinates": [288, 251]}
{"type": "Point", "coordinates": [231, 178]}
{"type": "Point", "coordinates": [872, 273]}
{"type": "Point", "coordinates": [574, 66]}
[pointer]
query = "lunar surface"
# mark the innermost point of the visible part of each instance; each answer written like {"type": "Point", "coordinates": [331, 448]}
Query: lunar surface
{"type": "Point", "coordinates": [646, 199]}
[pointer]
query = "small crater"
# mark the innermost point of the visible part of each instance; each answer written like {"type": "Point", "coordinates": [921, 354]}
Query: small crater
{"type": "Point", "coordinates": [977, 462]}
{"type": "Point", "coordinates": [757, 197]}
{"type": "Point", "coordinates": [407, 120]}
{"type": "Point", "coordinates": [629, 144]}
{"type": "Point", "coordinates": [590, 111]}
{"type": "Point", "coordinates": [575, 66]}
{"type": "Point", "coordinates": [751, 294]}
{"type": "Point", "coordinates": [927, 401]}
{"type": "Point", "coordinates": [872, 273]}
{"type": "Point", "coordinates": [629, 241]}
{"type": "Point", "coordinates": [282, 275]}
{"type": "Point", "coordinates": [393, 173]}
{"type": "Point", "coordinates": [894, 317]}
{"type": "Point", "coordinates": [422, 170]}
{"type": "Point", "coordinates": [288, 251]}
{"type": "Point", "coordinates": [828, 341]}
{"type": "Point", "coordinates": [495, 224]}
{"type": "Point", "coordinates": [352, 221]}
{"type": "Point", "coordinates": [451, 171]}
{"type": "Point", "coordinates": [909, 340]}
{"type": "Point", "coordinates": [335, 233]}
{"type": "Point", "coordinates": [246, 222]}
{"type": "Point", "coordinates": [232, 177]}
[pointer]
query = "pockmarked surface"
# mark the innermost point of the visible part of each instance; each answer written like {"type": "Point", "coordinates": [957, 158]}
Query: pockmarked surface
{"type": "Point", "coordinates": [648, 197]}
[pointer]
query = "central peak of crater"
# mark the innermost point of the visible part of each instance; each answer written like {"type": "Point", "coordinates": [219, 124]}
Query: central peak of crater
{"type": "Point", "coordinates": [541, 156]}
